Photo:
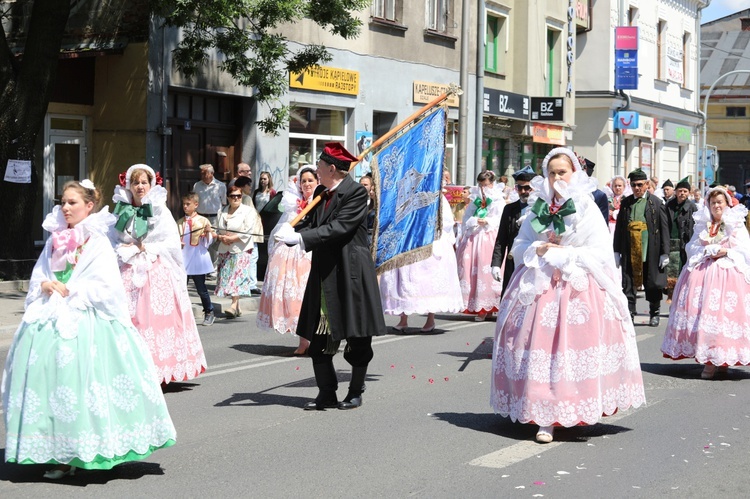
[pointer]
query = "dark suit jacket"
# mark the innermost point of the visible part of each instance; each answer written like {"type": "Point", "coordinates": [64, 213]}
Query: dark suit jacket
{"type": "Point", "coordinates": [506, 234]}
{"type": "Point", "coordinates": [603, 203]}
{"type": "Point", "coordinates": [658, 239]}
{"type": "Point", "coordinates": [342, 267]}
{"type": "Point", "coordinates": [685, 223]}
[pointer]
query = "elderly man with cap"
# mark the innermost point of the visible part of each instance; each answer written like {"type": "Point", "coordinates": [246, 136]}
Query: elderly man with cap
{"type": "Point", "coordinates": [342, 299]}
{"type": "Point", "coordinates": [510, 221]}
{"type": "Point", "coordinates": [641, 244]}
{"type": "Point", "coordinates": [667, 190]}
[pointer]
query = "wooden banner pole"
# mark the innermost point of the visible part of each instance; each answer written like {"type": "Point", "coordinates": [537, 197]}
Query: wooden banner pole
{"type": "Point", "coordinates": [434, 102]}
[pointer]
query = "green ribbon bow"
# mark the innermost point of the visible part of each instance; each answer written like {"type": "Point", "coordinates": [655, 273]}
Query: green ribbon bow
{"type": "Point", "coordinates": [482, 210]}
{"type": "Point", "coordinates": [126, 212]}
{"type": "Point", "coordinates": [544, 217]}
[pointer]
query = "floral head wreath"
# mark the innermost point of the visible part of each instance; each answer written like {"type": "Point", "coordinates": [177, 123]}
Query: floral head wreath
{"type": "Point", "coordinates": [561, 150]}
{"type": "Point", "coordinates": [719, 189]}
{"type": "Point", "coordinates": [125, 176]}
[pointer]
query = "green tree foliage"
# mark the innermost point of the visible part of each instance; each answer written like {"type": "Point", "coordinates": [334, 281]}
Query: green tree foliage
{"type": "Point", "coordinates": [247, 33]}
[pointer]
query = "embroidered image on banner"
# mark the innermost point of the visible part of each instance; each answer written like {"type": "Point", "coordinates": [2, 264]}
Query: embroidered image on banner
{"type": "Point", "coordinates": [409, 172]}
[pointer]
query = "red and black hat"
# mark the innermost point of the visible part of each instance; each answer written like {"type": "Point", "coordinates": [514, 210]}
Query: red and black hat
{"type": "Point", "coordinates": [335, 154]}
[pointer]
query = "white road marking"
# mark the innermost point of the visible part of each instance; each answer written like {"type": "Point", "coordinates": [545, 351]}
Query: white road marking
{"type": "Point", "coordinates": [243, 365]}
{"type": "Point", "coordinates": [523, 450]}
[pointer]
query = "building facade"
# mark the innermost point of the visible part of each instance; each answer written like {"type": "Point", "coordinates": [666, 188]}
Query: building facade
{"type": "Point", "coordinates": [665, 142]}
{"type": "Point", "coordinates": [725, 61]}
{"type": "Point", "coordinates": [527, 81]}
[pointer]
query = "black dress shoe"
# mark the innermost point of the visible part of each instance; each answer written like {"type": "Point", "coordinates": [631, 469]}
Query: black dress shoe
{"type": "Point", "coordinates": [654, 321]}
{"type": "Point", "coordinates": [350, 403]}
{"type": "Point", "coordinates": [316, 405]}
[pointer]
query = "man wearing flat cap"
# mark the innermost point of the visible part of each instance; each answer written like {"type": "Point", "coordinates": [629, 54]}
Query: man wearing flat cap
{"type": "Point", "coordinates": [667, 190]}
{"type": "Point", "coordinates": [641, 244]}
{"type": "Point", "coordinates": [342, 299]}
{"type": "Point", "coordinates": [510, 222]}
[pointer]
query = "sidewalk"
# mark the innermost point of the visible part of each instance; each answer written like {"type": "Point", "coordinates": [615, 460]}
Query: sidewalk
{"type": "Point", "coordinates": [13, 295]}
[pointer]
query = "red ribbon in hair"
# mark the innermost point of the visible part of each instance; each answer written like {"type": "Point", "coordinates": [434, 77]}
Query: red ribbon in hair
{"type": "Point", "coordinates": [123, 179]}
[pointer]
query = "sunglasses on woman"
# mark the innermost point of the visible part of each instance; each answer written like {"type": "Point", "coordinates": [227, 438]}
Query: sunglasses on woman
{"type": "Point", "coordinates": [235, 196]}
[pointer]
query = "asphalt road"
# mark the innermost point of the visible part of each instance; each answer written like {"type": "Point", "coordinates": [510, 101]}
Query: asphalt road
{"type": "Point", "coordinates": [425, 430]}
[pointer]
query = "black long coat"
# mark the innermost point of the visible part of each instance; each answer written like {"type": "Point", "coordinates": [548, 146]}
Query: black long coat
{"type": "Point", "coordinates": [658, 239]}
{"type": "Point", "coordinates": [685, 223]}
{"type": "Point", "coordinates": [343, 266]}
{"type": "Point", "coordinates": [506, 234]}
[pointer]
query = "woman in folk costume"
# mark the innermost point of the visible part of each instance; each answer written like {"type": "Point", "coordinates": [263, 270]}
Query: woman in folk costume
{"type": "Point", "coordinates": [288, 266]}
{"type": "Point", "coordinates": [481, 293]}
{"type": "Point", "coordinates": [429, 286]}
{"type": "Point", "coordinates": [619, 189]}
{"type": "Point", "coordinates": [565, 351]}
{"type": "Point", "coordinates": [147, 243]}
{"type": "Point", "coordinates": [709, 316]}
{"type": "Point", "coordinates": [79, 387]}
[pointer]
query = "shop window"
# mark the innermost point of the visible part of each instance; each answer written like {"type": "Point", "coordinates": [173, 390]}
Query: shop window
{"type": "Point", "coordinates": [309, 130]}
{"type": "Point", "coordinates": [493, 154]}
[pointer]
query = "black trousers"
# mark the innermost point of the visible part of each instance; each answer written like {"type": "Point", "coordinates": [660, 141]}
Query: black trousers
{"type": "Point", "coordinates": [653, 295]}
{"type": "Point", "coordinates": [358, 351]}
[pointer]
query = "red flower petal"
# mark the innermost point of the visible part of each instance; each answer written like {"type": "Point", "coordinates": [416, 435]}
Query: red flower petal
{"type": "Point", "coordinates": [413, 377]}
{"type": "Point", "coordinates": [446, 378]}
{"type": "Point", "coordinates": [431, 381]}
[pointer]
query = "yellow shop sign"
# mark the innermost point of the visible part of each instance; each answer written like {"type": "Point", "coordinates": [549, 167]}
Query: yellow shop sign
{"type": "Point", "coordinates": [326, 79]}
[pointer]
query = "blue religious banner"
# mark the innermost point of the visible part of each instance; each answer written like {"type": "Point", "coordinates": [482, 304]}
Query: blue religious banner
{"type": "Point", "coordinates": [408, 173]}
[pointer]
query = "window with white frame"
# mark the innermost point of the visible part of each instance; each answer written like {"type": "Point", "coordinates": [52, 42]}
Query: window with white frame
{"type": "Point", "coordinates": [438, 12]}
{"type": "Point", "coordinates": [385, 9]}
{"type": "Point", "coordinates": [686, 60]}
{"type": "Point", "coordinates": [661, 50]}
{"type": "Point", "coordinates": [496, 46]}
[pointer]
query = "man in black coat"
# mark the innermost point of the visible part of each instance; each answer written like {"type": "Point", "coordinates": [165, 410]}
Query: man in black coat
{"type": "Point", "coordinates": [641, 244]}
{"type": "Point", "coordinates": [509, 224]}
{"type": "Point", "coordinates": [680, 216]}
{"type": "Point", "coordinates": [600, 197]}
{"type": "Point", "coordinates": [342, 299]}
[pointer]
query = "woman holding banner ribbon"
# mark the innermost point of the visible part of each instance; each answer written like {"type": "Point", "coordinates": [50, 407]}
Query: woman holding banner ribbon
{"type": "Point", "coordinates": [565, 351]}
{"type": "Point", "coordinates": [147, 244]}
{"type": "Point", "coordinates": [480, 291]}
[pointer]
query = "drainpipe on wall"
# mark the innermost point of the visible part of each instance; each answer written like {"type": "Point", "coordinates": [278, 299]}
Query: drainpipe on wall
{"type": "Point", "coordinates": [699, 153]}
{"type": "Point", "coordinates": [479, 116]}
{"type": "Point", "coordinates": [463, 103]}
{"type": "Point", "coordinates": [619, 142]}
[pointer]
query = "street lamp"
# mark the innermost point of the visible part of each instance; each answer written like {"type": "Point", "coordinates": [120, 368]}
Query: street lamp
{"type": "Point", "coordinates": [705, 111]}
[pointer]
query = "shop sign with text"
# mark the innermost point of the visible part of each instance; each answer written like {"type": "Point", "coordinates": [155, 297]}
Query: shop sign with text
{"type": "Point", "coordinates": [326, 79]}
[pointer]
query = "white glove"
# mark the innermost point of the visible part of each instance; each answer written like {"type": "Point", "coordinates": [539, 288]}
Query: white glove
{"type": "Point", "coordinates": [618, 257]}
{"type": "Point", "coordinates": [497, 274]}
{"type": "Point", "coordinates": [712, 249]}
{"type": "Point", "coordinates": [663, 261]}
{"type": "Point", "coordinates": [287, 235]}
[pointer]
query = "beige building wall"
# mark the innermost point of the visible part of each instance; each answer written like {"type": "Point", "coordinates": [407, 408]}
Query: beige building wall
{"type": "Point", "coordinates": [118, 124]}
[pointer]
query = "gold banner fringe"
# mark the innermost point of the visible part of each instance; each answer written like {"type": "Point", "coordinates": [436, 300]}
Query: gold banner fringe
{"type": "Point", "coordinates": [636, 252]}
{"type": "Point", "coordinates": [413, 256]}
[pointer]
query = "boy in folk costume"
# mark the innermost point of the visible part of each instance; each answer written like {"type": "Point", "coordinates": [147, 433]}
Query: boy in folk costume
{"type": "Point", "coordinates": [197, 235]}
{"type": "Point", "coordinates": [641, 245]}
